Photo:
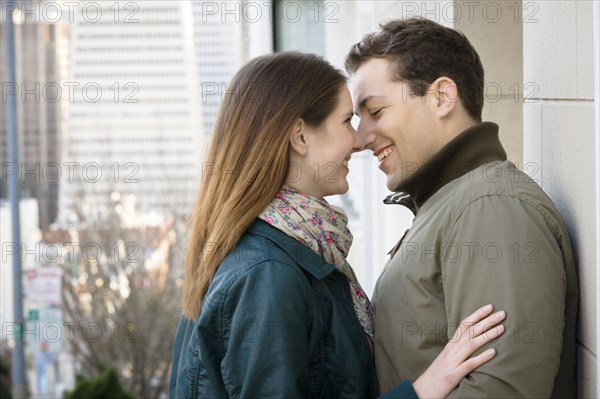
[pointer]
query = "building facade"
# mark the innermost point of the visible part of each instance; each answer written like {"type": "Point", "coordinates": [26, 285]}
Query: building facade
{"type": "Point", "coordinates": [135, 119]}
{"type": "Point", "coordinates": [40, 66]}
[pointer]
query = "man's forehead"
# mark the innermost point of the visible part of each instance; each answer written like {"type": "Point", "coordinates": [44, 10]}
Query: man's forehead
{"type": "Point", "coordinates": [374, 68]}
{"type": "Point", "coordinates": [369, 78]}
{"type": "Point", "coordinates": [365, 91]}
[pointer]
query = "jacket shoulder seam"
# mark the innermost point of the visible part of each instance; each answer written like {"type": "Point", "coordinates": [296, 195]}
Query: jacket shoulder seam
{"type": "Point", "coordinates": [551, 221]}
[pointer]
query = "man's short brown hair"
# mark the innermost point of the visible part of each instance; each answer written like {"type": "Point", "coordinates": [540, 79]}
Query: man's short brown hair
{"type": "Point", "coordinates": [421, 51]}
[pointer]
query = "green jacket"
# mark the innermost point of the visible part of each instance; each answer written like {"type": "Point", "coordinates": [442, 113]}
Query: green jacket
{"type": "Point", "coordinates": [484, 232]}
{"type": "Point", "coordinates": [277, 322]}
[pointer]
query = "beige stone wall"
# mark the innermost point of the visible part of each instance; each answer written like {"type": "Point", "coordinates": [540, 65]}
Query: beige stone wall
{"type": "Point", "coordinates": [560, 142]}
{"type": "Point", "coordinates": [496, 31]}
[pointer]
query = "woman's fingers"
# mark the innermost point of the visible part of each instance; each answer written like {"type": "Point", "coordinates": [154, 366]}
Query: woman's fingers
{"type": "Point", "coordinates": [455, 361]}
{"type": "Point", "coordinates": [473, 318]}
{"type": "Point", "coordinates": [483, 339]}
{"type": "Point", "coordinates": [479, 334]}
{"type": "Point", "coordinates": [471, 364]}
{"type": "Point", "coordinates": [479, 314]}
{"type": "Point", "coordinates": [487, 323]}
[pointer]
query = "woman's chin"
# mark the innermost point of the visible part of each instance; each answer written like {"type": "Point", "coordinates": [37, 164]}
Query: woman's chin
{"type": "Point", "coordinates": [341, 189]}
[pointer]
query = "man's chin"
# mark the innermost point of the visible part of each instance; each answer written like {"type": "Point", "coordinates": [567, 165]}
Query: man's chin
{"type": "Point", "coordinates": [396, 183]}
{"type": "Point", "coordinates": [393, 183]}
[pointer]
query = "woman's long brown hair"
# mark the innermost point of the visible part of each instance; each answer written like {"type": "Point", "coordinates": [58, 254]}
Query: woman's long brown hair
{"type": "Point", "coordinates": [248, 159]}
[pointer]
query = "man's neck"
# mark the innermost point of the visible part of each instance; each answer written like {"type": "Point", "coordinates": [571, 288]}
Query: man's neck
{"type": "Point", "coordinates": [473, 147]}
{"type": "Point", "coordinates": [453, 128]}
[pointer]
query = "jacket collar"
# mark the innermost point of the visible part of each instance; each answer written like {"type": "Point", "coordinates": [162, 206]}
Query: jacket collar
{"type": "Point", "coordinates": [304, 256]}
{"type": "Point", "coordinates": [472, 148]}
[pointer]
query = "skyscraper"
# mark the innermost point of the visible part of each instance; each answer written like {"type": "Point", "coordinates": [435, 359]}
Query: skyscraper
{"type": "Point", "coordinates": [226, 36]}
{"type": "Point", "coordinates": [135, 116]}
{"type": "Point", "coordinates": [40, 66]}
{"type": "Point", "coordinates": [219, 50]}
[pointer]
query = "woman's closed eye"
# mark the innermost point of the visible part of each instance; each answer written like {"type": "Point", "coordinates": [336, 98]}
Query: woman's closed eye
{"type": "Point", "coordinates": [375, 113]}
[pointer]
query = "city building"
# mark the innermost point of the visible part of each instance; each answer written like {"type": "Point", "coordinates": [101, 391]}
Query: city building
{"type": "Point", "coordinates": [135, 119]}
{"type": "Point", "coordinates": [226, 36]}
{"type": "Point", "coordinates": [40, 55]}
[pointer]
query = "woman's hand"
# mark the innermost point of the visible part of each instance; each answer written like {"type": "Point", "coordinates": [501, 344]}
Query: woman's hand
{"type": "Point", "coordinates": [455, 361]}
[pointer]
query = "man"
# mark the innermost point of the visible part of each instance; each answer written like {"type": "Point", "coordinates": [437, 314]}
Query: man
{"type": "Point", "coordinates": [483, 232]}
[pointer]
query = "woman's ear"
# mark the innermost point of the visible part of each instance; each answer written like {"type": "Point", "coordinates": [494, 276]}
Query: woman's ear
{"type": "Point", "coordinates": [445, 95]}
{"type": "Point", "coordinates": [298, 137]}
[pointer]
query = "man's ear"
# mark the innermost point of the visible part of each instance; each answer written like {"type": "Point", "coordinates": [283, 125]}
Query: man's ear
{"type": "Point", "coordinates": [445, 95]}
{"type": "Point", "coordinates": [298, 137]}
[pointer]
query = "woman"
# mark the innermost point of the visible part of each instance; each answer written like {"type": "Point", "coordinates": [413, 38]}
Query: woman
{"type": "Point", "coordinates": [271, 308]}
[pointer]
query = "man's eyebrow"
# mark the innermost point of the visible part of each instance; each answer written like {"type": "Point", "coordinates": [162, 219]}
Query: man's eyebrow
{"type": "Point", "coordinates": [364, 101]}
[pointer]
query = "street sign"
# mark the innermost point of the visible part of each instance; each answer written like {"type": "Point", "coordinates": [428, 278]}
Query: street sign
{"type": "Point", "coordinates": [43, 285]}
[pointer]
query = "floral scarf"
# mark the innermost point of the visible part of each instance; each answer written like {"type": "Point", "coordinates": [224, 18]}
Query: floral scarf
{"type": "Point", "coordinates": [323, 228]}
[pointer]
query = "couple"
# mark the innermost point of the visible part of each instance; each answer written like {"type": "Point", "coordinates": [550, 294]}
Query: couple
{"type": "Point", "coordinates": [271, 307]}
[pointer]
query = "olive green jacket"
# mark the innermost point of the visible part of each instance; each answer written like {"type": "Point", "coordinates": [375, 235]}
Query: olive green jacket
{"type": "Point", "coordinates": [484, 232]}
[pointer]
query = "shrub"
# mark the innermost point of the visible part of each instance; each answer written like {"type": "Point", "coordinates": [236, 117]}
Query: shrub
{"type": "Point", "coordinates": [106, 385]}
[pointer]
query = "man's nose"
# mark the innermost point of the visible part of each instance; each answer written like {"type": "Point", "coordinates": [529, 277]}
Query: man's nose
{"type": "Point", "coordinates": [364, 135]}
